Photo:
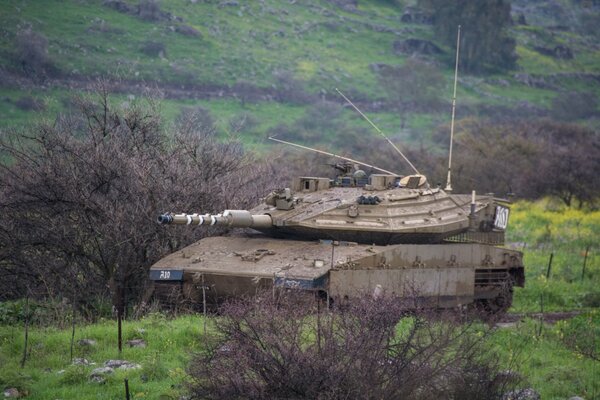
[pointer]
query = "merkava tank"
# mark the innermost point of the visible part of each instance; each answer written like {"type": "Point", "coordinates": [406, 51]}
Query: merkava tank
{"type": "Point", "coordinates": [350, 236]}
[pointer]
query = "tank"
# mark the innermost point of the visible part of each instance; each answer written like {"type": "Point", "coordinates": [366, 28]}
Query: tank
{"type": "Point", "coordinates": [351, 236]}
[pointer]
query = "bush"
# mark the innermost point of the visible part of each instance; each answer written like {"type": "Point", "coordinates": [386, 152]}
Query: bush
{"type": "Point", "coordinates": [74, 375]}
{"type": "Point", "coordinates": [573, 106]}
{"type": "Point", "coordinates": [289, 347]}
{"type": "Point", "coordinates": [154, 49]}
{"type": "Point", "coordinates": [28, 103]}
{"type": "Point", "coordinates": [149, 10]}
{"type": "Point", "coordinates": [31, 50]}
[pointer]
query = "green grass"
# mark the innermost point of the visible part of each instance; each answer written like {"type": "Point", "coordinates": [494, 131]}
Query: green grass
{"type": "Point", "coordinates": [544, 228]}
{"type": "Point", "coordinates": [543, 360]}
{"type": "Point", "coordinates": [170, 344]}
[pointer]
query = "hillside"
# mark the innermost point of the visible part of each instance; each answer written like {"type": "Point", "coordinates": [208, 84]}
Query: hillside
{"type": "Point", "coordinates": [275, 62]}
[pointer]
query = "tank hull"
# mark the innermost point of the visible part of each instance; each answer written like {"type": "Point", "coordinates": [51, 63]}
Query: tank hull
{"type": "Point", "coordinates": [438, 275]}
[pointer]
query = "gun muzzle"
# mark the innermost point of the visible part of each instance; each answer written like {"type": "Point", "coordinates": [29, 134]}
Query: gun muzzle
{"type": "Point", "coordinates": [231, 218]}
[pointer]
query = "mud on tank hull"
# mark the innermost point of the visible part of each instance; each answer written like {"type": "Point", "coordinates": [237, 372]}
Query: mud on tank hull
{"type": "Point", "coordinates": [438, 275]}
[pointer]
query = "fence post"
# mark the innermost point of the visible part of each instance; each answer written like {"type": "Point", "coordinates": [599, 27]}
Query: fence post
{"type": "Point", "coordinates": [549, 266]}
{"type": "Point", "coordinates": [120, 317]}
{"type": "Point", "coordinates": [587, 250]}
{"type": "Point", "coordinates": [127, 389]}
{"type": "Point", "coordinates": [26, 330]}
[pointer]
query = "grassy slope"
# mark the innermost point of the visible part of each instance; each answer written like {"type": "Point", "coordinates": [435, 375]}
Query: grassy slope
{"type": "Point", "coordinates": [314, 41]}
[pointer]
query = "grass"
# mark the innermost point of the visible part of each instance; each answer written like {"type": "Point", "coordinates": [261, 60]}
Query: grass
{"type": "Point", "coordinates": [546, 363]}
{"type": "Point", "coordinates": [544, 228]}
{"type": "Point", "coordinates": [170, 343]}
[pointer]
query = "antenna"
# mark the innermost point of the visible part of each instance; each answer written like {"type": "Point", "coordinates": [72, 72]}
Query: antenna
{"type": "Point", "coordinates": [378, 131]}
{"type": "Point", "coordinates": [333, 155]}
{"type": "Point", "coordinates": [449, 179]}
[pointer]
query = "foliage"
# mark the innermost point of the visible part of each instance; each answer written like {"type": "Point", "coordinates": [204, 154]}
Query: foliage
{"type": "Point", "coordinates": [286, 347]}
{"type": "Point", "coordinates": [485, 43]}
{"type": "Point", "coordinates": [80, 197]}
{"type": "Point", "coordinates": [530, 158]}
{"type": "Point", "coordinates": [31, 54]}
{"type": "Point", "coordinates": [572, 106]}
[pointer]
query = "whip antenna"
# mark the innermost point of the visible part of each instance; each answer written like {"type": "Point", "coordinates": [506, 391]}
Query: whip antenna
{"type": "Point", "coordinates": [449, 179]}
{"type": "Point", "coordinates": [378, 131]}
{"type": "Point", "coordinates": [333, 155]}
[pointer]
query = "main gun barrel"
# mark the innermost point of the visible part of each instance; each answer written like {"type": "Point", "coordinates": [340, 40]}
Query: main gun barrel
{"type": "Point", "coordinates": [231, 218]}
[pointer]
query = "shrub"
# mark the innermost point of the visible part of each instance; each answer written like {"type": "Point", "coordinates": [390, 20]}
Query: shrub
{"type": "Point", "coordinates": [31, 50]}
{"type": "Point", "coordinates": [28, 103]}
{"type": "Point", "coordinates": [154, 49]}
{"type": "Point", "coordinates": [153, 368]}
{"type": "Point", "coordinates": [290, 347]}
{"type": "Point", "coordinates": [73, 375]}
{"type": "Point", "coordinates": [149, 10]}
{"type": "Point", "coordinates": [572, 106]}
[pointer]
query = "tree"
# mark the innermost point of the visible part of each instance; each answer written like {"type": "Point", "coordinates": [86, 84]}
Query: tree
{"type": "Point", "coordinates": [79, 197]}
{"type": "Point", "coordinates": [485, 43]}
{"type": "Point", "coordinates": [530, 158]}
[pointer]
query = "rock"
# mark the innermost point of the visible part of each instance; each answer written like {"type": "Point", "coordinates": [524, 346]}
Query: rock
{"type": "Point", "coordinates": [522, 394]}
{"type": "Point", "coordinates": [119, 6]}
{"type": "Point", "coordinates": [414, 16]}
{"type": "Point", "coordinates": [230, 3]}
{"type": "Point", "coordinates": [136, 343]}
{"type": "Point", "coordinates": [87, 342]}
{"type": "Point", "coordinates": [12, 393]}
{"type": "Point", "coordinates": [121, 364]}
{"type": "Point", "coordinates": [576, 398]}
{"type": "Point", "coordinates": [560, 52]}
{"type": "Point", "coordinates": [80, 361]}
{"type": "Point", "coordinates": [98, 375]}
{"type": "Point", "coordinates": [420, 46]}
{"type": "Point", "coordinates": [187, 30]}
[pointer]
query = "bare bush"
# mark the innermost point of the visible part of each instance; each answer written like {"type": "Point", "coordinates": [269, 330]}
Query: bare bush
{"type": "Point", "coordinates": [31, 54]}
{"type": "Point", "coordinates": [573, 106]}
{"type": "Point", "coordinates": [154, 49]}
{"type": "Point", "coordinates": [149, 10]}
{"type": "Point", "coordinates": [290, 347]}
{"type": "Point", "coordinates": [79, 198]}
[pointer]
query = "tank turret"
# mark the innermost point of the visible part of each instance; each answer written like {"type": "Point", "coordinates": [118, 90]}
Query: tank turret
{"type": "Point", "coordinates": [381, 209]}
